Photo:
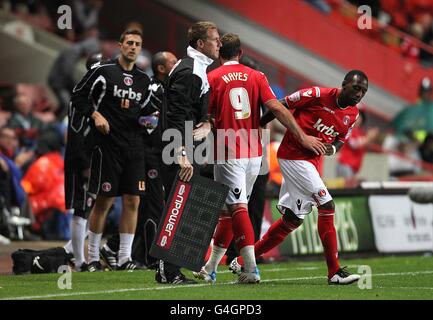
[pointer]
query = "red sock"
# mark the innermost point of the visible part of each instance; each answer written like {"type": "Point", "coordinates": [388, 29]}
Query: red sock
{"type": "Point", "coordinates": [223, 233]}
{"type": "Point", "coordinates": [242, 228]}
{"type": "Point", "coordinates": [328, 235]}
{"type": "Point", "coordinates": [277, 232]}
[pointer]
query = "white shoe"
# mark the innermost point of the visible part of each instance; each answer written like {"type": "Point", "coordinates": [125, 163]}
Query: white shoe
{"type": "Point", "coordinates": [342, 277]}
{"type": "Point", "coordinates": [204, 275]}
{"type": "Point", "coordinates": [235, 267]}
{"type": "Point", "coordinates": [249, 277]}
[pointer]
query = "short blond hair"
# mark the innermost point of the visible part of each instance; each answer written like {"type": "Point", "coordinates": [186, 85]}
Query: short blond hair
{"type": "Point", "coordinates": [198, 31]}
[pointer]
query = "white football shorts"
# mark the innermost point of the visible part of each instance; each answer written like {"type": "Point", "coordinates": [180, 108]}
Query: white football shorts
{"type": "Point", "coordinates": [239, 175]}
{"type": "Point", "coordinates": [302, 187]}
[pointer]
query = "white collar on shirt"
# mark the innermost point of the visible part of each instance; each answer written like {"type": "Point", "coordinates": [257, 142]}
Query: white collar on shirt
{"type": "Point", "coordinates": [201, 62]}
{"type": "Point", "coordinates": [231, 62]}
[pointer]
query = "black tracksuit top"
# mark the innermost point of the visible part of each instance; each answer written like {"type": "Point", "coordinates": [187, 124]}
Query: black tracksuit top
{"type": "Point", "coordinates": [119, 95]}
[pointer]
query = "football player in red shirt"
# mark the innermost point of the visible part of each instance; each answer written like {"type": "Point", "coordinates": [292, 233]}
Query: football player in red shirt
{"type": "Point", "coordinates": [237, 92]}
{"type": "Point", "coordinates": [329, 114]}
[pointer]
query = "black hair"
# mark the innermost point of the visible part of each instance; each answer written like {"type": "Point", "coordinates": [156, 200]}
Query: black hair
{"type": "Point", "coordinates": [352, 73]}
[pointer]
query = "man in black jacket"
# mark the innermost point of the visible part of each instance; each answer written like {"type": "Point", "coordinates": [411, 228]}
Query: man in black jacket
{"type": "Point", "coordinates": [187, 106]}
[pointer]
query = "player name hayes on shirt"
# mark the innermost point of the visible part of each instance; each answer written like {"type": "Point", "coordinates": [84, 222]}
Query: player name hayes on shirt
{"type": "Point", "coordinates": [231, 76]}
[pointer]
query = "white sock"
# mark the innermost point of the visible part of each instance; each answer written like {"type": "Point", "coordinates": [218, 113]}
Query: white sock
{"type": "Point", "coordinates": [215, 257]}
{"type": "Point", "coordinates": [247, 254]}
{"type": "Point", "coordinates": [125, 247]}
{"type": "Point", "coordinates": [94, 243]}
{"type": "Point", "coordinates": [79, 232]}
{"type": "Point", "coordinates": [68, 247]}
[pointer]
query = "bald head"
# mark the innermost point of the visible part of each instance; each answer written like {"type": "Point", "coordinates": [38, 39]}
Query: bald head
{"type": "Point", "coordinates": [162, 63]}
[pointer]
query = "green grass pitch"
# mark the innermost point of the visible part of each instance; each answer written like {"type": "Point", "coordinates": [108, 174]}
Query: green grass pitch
{"type": "Point", "coordinates": [392, 277]}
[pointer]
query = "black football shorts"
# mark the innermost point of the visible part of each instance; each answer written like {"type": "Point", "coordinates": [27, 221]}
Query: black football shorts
{"type": "Point", "coordinates": [115, 171]}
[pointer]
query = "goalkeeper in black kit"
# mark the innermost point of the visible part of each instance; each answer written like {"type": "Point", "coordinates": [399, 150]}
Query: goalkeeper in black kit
{"type": "Point", "coordinates": [113, 94]}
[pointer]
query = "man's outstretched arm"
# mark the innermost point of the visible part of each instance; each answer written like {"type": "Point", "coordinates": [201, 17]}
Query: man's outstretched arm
{"type": "Point", "coordinates": [286, 118]}
{"type": "Point", "coordinates": [268, 116]}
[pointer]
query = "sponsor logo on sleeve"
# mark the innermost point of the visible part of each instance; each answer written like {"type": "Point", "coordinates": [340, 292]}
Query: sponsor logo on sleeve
{"type": "Point", "coordinates": [308, 93]}
{"type": "Point", "coordinates": [295, 96]}
{"type": "Point", "coordinates": [349, 132]}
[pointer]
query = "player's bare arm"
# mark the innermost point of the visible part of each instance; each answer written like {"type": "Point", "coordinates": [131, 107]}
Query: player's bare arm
{"type": "Point", "coordinates": [268, 116]}
{"type": "Point", "coordinates": [286, 118]}
{"type": "Point", "coordinates": [186, 169]}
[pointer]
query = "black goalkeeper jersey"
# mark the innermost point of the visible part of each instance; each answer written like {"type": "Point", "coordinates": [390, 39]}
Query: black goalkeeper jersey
{"type": "Point", "coordinates": [119, 95]}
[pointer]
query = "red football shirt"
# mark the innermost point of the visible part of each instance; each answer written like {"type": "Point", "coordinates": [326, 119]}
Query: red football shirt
{"type": "Point", "coordinates": [317, 113]}
{"type": "Point", "coordinates": [237, 92]}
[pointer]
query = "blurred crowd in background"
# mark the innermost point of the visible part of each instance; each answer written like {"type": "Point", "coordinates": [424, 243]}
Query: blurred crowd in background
{"type": "Point", "coordinates": [33, 121]}
{"type": "Point", "coordinates": [406, 26]}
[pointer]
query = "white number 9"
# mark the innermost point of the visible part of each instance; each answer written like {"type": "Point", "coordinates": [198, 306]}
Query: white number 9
{"type": "Point", "coordinates": [240, 102]}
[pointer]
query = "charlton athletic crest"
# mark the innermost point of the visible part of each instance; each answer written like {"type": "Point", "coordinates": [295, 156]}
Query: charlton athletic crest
{"type": "Point", "coordinates": [106, 186]}
{"type": "Point", "coordinates": [346, 120]}
{"type": "Point", "coordinates": [128, 81]}
{"type": "Point", "coordinates": [322, 193]}
{"type": "Point", "coordinates": [152, 174]}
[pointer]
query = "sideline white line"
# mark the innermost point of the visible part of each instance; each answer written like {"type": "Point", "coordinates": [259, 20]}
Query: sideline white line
{"type": "Point", "coordinates": [202, 285]}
